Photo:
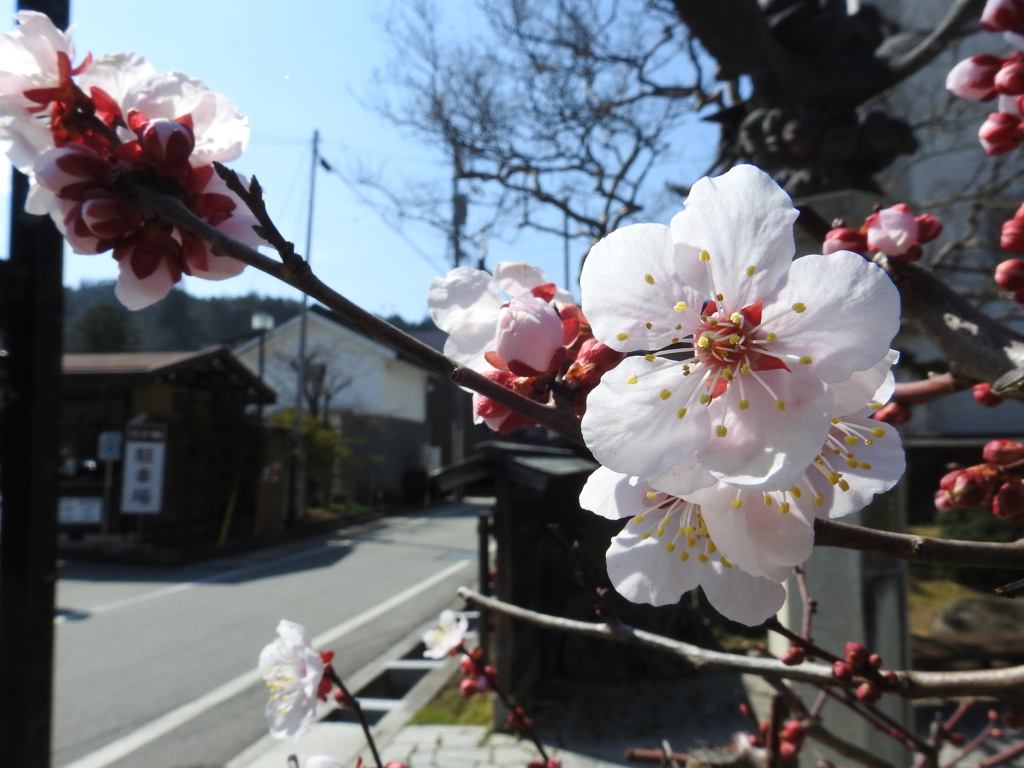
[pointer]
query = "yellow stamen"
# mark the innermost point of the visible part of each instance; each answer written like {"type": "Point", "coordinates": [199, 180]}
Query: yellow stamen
{"type": "Point", "coordinates": [805, 360]}
{"type": "Point", "coordinates": [652, 495]}
{"type": "Point", "coordinates": [680, 413]}
{"type": "Point", "coordinates": [705, 256]}
{"type": "Point", "coordinates": [721, 431]}
{"type": "Point", "coordinates": [780, 405]}
{"type": "Point", "coordinates": [665, 394]}
{"type": "Point", "coordinates": [632, 380]}
{"type": "Point", "coordinates": [878, 432]}
{"type": "Point", "coordinates": [622, 336]}
{"type": "Point", "coordinates": [680, 306]}
{"type": "Point", "coordinates": [649, 279]}
{"type": "Point", "coordinates": [737, 503]}
{"type": "Point", "coordinates": [799, 307]}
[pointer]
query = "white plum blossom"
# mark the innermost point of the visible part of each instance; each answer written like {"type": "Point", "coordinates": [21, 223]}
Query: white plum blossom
{"type": "Point", "coordinates": [741, 341]}
{"type": "Point", "coordinates": [293, 671]}
{"type": "Point", "coordinates": [665, 550]}
{"type": "Point", "coordinates": [442, 640]}
{"type": "Point", "coordinates": [740, 544]}
{"type": "Point", "coordinates": [466, 304]}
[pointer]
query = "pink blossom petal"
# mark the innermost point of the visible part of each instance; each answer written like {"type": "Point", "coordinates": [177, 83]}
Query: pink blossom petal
{"type": "Point", "coordinates": [134, 293]}
{"type": "Point", "coordinates": [849, 320]}
{"type": "Point", "coordinates": [629, 282]}
{"type": "Point", "coordinates": [742, 219]}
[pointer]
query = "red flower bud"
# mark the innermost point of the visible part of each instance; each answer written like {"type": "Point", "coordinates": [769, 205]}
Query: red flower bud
{"type": "Point", "coordinates": [844, 239]}
{"type": "Point", "coordinates": [467, 688]}
{"type": "Point", "coordinates": [928, 228]}
{"type": "Point", "coordinates": [793, 731]}
{"type": "Point", "coordinates": [893, 413]}
{"type": "Point", "coordinates": [1003, 452]}
{"type": "Point", "coordinates": [1011, 237]}
{"type": "Point", "coordinates": [956, 739]}
{"type": "Point", "coordinates": [984, 395]}
{"type": "Point", "coordinates": [968, 487]}
{"type": "Point", "coordinates": [892, 678]}
{"type": "Point", "coordinates": [755, 741]}
{"type": "Point", "coordinates": [1000, 133]}
{"type": "Point", "coordinates": [1003, 16]}
{"type": "Point", "coordinates": [466, 666]}
{"type": "Point", "coordinates": [875, 661]}
{"type": "Point", "coordinates": [788, 750]}
{"type": "Point", "coordinates": [1010, 78]}
{"type": "Point", "coordinates": [1008, 503]}
{"type": "Point", "coordinates": [856, 653]}
{"type": "Point", "coordinates": [974, 78]}
{"type": "Point", "coordinates": [1010, 273]}
{"type": "Point", "coordinates": [868, 693]}
{"type": "Point", "coordinates": [842, 671]}
{"type": "Point", "coordinates": [793, 656]}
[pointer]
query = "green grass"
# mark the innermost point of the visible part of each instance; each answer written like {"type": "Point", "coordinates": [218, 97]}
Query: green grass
{"type": "Point", "coordinates": [450, 708]}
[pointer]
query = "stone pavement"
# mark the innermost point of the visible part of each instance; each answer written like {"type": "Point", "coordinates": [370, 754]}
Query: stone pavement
{"type": "Point", "coordinates": [588, 725]}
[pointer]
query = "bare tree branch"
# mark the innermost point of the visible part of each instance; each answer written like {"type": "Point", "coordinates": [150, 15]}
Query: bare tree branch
{"type": "Point", "coordinates": [1006, 683]}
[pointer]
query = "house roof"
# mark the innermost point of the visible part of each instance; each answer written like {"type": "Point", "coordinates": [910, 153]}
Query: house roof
{"type": "Point", "coordinates": [326, 315]}
{"type": "Point", "coordinates": [146, 366]}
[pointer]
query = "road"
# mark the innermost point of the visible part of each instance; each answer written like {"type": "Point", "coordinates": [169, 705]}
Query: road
{"type": "Point", "coordinates": [156, 666]}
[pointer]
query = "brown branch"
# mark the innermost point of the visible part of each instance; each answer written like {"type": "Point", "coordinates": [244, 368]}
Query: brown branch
{"type": "Point", "coordinates": [976, 345]}
{"type": "Point", "coordinates": [297, 274]}
{"type": "Point", "coordinates": [919, 549]}
{"type": "Point", "coordinates": [1006, 683]}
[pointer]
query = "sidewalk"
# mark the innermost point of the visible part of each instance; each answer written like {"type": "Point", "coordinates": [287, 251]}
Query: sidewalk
{"type": "Point", "coordinates": [589, 725]}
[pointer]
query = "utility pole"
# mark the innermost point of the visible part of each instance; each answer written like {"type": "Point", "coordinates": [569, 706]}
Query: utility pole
{"type": "Point", "coordinates": [31, 325]}
{"type": "Point", "coordinates": [458, 220]}
{"type": "Point", "coordinates": [299, 491]}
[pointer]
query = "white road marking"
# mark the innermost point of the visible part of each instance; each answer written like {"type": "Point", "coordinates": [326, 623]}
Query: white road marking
{"type": "Point", "coordinates": [153, 730]}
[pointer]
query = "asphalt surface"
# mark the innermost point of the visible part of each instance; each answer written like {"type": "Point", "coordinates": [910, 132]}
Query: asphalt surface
{"type": "Point", "coordinates": [156, 666]}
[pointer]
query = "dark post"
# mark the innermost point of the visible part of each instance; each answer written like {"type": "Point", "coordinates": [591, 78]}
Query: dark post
{"type": "Point", "coordinates": [31, 317]}
{"type": "Point", "coordinates": [483, 533]}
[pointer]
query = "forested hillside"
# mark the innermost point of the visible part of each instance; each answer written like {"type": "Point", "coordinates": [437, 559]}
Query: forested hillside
{"type": "Point", "coordinates": [94, 320]}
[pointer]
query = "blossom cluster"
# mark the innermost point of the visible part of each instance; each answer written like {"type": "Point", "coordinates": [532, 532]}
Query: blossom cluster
{"type": "Point", "coordinates": [76, 130]}
{"type": "Point", "coordinates": [741, 413]}
{"type": "Point", "coordinates": [986, 77]}
{"type": "Point", "coordinates": [521, 331]}
{"type": "Point", "coordinates": [994, 484]}
{"type": "Point", "coordinates": [894, 231]}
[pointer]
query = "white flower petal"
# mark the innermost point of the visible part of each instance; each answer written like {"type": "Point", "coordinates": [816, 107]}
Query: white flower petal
{"type": "Point", "coordinates": [684, 478]}
{"type": "Point", "coordinates": [754, 536]}
{"type": "Point", "coordinates": [849, 320]}
{"type": "Point", "coordinates": [742, 597]}
{"type": "Point", "coordinates": [463, 296]}
{"type": "Point", "coordinates": [766, 448]}
{"type": "Point", "coordinates": [880, 465]}
{"type": "Point", "coordinates": [631, 428]}
{"type": "Point", "coordinates": [643, 571]}
{"type": "Point", "coordinates": [467, 344]}
{"type": "Point", "coordinates": [613, 495]}
{"type": "Point", "coordinates": [742, 219]}
{"type": "Point", "coordinates": [629, 282]}
{"type": "Point", "coordinates": [515, 277]}
{"type": "Point", "coordinates": [874, 385]}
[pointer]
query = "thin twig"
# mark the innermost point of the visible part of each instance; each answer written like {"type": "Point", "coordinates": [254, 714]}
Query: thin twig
{"type": "Point", "coordinates": [360, 716]}
{"type": "Point", "coordinates": [297, 274]}
{"type": "Point", "coordinates": [1006, 683]}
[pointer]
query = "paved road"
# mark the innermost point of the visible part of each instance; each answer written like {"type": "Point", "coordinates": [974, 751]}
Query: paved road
{"type": "Point", "coordinates": [155, 666]}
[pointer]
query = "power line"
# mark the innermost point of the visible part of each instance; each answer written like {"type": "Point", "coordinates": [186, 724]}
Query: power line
{"type": "Point", "coordinates": [354, 189]}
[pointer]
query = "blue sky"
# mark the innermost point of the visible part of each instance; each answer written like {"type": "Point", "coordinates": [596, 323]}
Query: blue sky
{"type": "Point", "coordinates": [292, 68]}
